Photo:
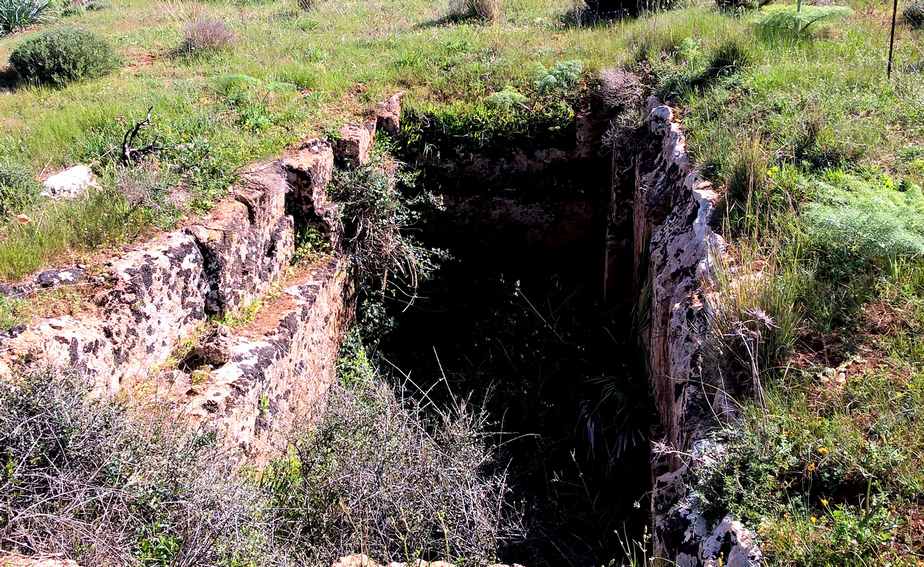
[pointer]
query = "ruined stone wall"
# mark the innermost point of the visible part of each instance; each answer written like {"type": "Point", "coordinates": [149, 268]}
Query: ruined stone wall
{"type": "Point", "coordinates": [250, 382]}
{"type": "Point", "coordinates": [675, 253]}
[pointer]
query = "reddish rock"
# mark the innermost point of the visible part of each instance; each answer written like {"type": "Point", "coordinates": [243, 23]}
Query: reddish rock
{"type": "Point", "coordinates": [355, 143]}
{"type": "Point", "coordinates": [388, 114]}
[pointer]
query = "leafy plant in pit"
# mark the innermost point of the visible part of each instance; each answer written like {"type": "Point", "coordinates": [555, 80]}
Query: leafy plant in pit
{"type": "Point", "coordinates": [376, 218]}
{"type": "Point", "coordinates": [62, 56]}
{"type": "Point", "coordinates": [914, 14]}
{"type": "Point", "coordinates": [18, 14]}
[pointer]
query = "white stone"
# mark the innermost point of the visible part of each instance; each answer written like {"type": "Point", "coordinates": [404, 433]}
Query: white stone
{"type": "Point", "coordinates": [71, 183]}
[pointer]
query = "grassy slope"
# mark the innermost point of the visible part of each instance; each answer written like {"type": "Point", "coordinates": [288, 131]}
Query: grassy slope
{"type": "Point", "coordinates": [839, 438]}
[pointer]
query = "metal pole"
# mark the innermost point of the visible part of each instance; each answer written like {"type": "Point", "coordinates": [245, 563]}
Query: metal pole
{"type": "Point", "coordinates": [892, 39]}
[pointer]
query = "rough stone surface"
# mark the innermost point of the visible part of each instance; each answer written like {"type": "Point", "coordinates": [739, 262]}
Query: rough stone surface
{"type": "Point", "coordinates": [388, 114]}
{"type": "Point", "coordinates": [676, 251]}
{"type": "Point", "coordinates": [156, 295]}
{"type": "Point", "coordinates": [246, 242]}
{"type": "Point", "coordinates": [160, 291]}
{"type": "Point", "coordinates": [45, 280]}
{"type": "Point", "coordinates": [71, 183]}
{"type": "Point", "coordinates": [280, 366]}
{"type": "Point", "coordinates": [309, 169]}
{"type": "Point", "coordinates": [355, 143]}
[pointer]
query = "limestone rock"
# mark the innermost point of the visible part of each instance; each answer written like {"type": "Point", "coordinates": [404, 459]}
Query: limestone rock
{"type": "Point", "coordinates": [355, 143]}
{"type": "Point", "coordinates": [309, 169]}
{"type": "Point", "coordinates": [71, 183]}
{"type": "Point", "coordinates": [388, 114]}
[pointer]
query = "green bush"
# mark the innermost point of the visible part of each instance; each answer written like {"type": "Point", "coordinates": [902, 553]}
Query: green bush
{"type": "Point", "coordinates": [18, 188]}
{"type": "Point", "coordinates": [18, 14]}
{"type": "Point", "coordinates": [62, 56]}
{"type": "Point", "coordinates": [740, 5]}
{"type": "Point", "coordinates": [914, 14]}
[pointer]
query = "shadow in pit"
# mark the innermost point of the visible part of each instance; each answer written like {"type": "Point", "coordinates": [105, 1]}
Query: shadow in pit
{"type": "Point", "coordinates": [516, 319]}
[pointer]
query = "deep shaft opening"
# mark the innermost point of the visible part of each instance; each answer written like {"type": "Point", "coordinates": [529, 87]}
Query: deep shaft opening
{"type": "Point", "coordinates": [517, 318]}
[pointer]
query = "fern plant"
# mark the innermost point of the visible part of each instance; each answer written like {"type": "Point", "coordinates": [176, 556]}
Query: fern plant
{"type": "Point", "coordinates": [798, 23]}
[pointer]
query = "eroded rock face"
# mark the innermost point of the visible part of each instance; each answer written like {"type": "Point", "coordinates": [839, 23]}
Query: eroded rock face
{"type": "Point", "coordinates": [675, 253]}
{"type": "Point", "coordinates": [355, 143]}
{"type": "Point", "coordinates": [388, 115]}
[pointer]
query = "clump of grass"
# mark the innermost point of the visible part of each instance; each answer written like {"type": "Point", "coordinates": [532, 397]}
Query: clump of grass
{"type": "Point", "coordinates": [18, 14]}
{"type": "Point", "coordinates": [88, 480]}
{"type": "Point", "coordinates": [102, 218]}
{"type": "Point", "coordinates": [206, 35]}
{"type": "Point", "coordinates": [386, 475]}
{"type": "Point", "coordinates": [63, 56]}
{"type": "Point", "coordinates": [484, 10]}
{"type": "Point", "coordinates": [18, 189]}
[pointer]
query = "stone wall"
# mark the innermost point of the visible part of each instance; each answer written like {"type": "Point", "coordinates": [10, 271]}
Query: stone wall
{"type": "Point", "coordinates": [675, 252]}
{"type": "Point", "coordinates": [175, 288]}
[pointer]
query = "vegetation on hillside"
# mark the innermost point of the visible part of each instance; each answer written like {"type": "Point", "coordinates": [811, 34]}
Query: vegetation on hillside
{"type": "Point", "coordinates": [820, 159]}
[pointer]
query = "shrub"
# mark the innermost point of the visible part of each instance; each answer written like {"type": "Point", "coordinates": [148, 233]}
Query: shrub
{"type": "Point", "coordinates": [18, 14]}
{"type": "Point", "coordinates": [609, 9]}
{"type": "Point", "coordinates": [380, 475]}
{"type": "Point", "coordinates": [485, 10]}
{"type": "Point", "coordinates": [561, 80]}
{"type": "Point", "coordinates": [85, 479]}
{"type": "Point", "coordinates": [914, 14]}
{"type": "Point", "coordinates": [206, 35]}
{"type": "Point", "coordinates": [376, 219]}
{"type": "Point", "coordinates": [740, 5]}
{"type": "Point", "coordinates": [18, 189]}
{"type": "Point", "coordinates": [61, 56]}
